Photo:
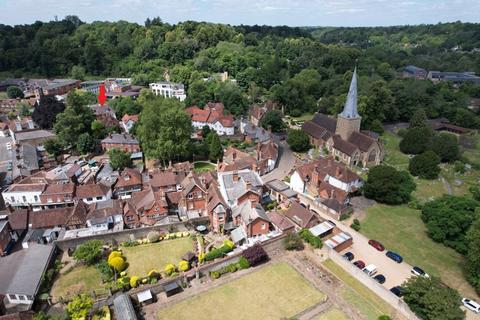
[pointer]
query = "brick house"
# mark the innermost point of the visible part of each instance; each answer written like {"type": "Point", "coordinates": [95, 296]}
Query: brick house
{"type": "Point", "coordinates": [145, 208]}
{"type": "Point", "coordinates": [7, 237]}
{"type": "Point", "coordinates": [121, 141]}
{"type": "Point", "coordinates": [90, 193]}
{"type": "Point", "coordinates": [58, 195]}
{"type": "Point", "coordinates": [301, 217]}
{"type": "Point", "coordinates": [193, 201]}
{"type": "Point", "coordinates": [251, 219]}
{"type": "Point", "coordinates": [129, 181]}
{"type": "Point", "coordinates": [218, 211]}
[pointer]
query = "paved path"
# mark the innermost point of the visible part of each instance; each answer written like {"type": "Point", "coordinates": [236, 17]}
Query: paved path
{"type": "Point", "coordinates": [447, 185]}
{"type": "Point", "coordinates": [285, 164]}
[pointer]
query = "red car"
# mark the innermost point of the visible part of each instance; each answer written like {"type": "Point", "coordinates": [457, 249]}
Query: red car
{"type": "Point", "coordinates": [360, 264]}
{"type": "Point", "coordinates": [377, 245]}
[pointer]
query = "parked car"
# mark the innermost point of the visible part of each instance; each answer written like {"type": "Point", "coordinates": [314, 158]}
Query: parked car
{"type": "Point", "coordinates": [397, 290]}
{"type": "Point", "coordinates": [360, 264]}
{"type": "Point", "coordinates": [9, 145]}
{"type": "Point", "coordinates": [377, 245]}
{"type": "Point", "coordinates": [370, 270]}
{"type": "Point", "coordinates": [380, 278]}
{"type": "Point", "coordinates": [419, 272]}
{"type": "Point", "coordinates": [471, 305]}
{"type": "Point", "coordinates": [394, 256]}
{"type": "Point", "coordinates": [349, 256]}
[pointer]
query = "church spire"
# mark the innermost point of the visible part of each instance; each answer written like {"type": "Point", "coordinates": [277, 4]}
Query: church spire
{"type": "Point", "coordinates": [350, 109]}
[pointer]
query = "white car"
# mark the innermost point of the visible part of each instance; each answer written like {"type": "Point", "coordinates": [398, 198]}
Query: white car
{"type": "Point", "coordinates": [9, 146]}
{"type": "Point", "coordinates": [419, 272]}
{"type": "Point", "coordinates": [471, 305]}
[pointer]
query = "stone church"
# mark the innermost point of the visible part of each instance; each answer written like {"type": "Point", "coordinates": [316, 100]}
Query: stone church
{"type": "Point", "coordinates": [342, 137]}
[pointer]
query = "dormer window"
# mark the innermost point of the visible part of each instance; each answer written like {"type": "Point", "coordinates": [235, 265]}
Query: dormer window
{"type": "Point", "coordinates": [127, 177]}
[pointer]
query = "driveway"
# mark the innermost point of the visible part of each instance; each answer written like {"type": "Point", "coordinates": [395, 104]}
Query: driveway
{"type": "Point", "coordinates": [285, 164]}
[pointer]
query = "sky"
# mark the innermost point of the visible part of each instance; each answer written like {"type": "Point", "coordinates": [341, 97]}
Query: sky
{"type": "Point", "coordinates": [235, 12]}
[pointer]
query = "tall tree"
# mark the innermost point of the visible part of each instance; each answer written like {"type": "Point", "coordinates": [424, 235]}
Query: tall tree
{"type": "Point", "coordinates": [473, 253]}
{"type": "Point", "coordinates": [419, 119]}
{"type": "Point", "coordinates": [14, 92]}
{"type": "Point", "coordinates": [425, 165]}
{"type": "Point", "coordinates": [46, 111]}
{"type": "Point", "coordinates": [119, 159]}
{"type": "Point", "coordinates": [445, 145]}
{"type": "Point", "coordinates": [215, 147]}
{"type": "Point", "coordinates": [388, 185]}
{"type": "Point", "coordinates": [273, 120]}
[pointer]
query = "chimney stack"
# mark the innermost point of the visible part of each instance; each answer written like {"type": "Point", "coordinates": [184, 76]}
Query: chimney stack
{"type": "Point", "coordinates": [235, 176]}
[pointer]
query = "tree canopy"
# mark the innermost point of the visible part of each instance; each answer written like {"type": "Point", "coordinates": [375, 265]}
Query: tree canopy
{"type": "Point", "coordinates": [298, 140]}
{"type": "Point", "coordinates": [46, 111]}
{"type": "Point", "coordinates": [119, 159]}
{"type": "Point", "coordinates": [89, 252]}
{"type": "Point", "coordinates": [425, 165]}
{"type": "Point", "coordinates": [273, 120]}
{"type": "Point", "coordinates": [388, 185]}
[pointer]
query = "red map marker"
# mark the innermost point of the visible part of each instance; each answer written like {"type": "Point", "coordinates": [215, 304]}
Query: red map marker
{"type": "Point", "coordinates": [101, 95]}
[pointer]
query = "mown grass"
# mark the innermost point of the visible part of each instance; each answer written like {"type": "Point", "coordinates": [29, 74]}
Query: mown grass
{"type": "Point", "coordinates": [80, 279]}
{"type": "Point", "coordinates": [200, 167]}
{"type": "Point", "coordinates": [273, 292]}
{"type": "Point", "coordinates": [393, 155]}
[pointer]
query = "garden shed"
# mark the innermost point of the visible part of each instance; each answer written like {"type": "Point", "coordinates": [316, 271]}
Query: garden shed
{"type": "Point", "coordinates": [172, 288]}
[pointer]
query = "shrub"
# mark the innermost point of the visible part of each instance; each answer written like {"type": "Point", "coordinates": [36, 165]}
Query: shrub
{"type": "Point", "coordinates": [215, 274]}
{"type": "Point", "coordinates": [153, 274]}
{"type": "Point", "coordinates": [170, 269]}
{"type": "Point", "coordinates": [118, 264]}
{"type": "Point", "coordinates": [153, 236]}
{"type": "Point", "coordinates": [130, 243]}
{"type": "Point", "coordinates": [344, 216]}
{"type": "Point", "coordinates": [229, 244]}
{"type": "Point", "coordinates": [183, 265]}
{"type": "Point", "coordinates": [217, 253]}
{"type": "Point", "coordinates": [355, 226]}
{"type": "Point", "coordinates": [134, 281]}
{"type": "Point", "coordinates": [114, 254]}
{"type": "Point", "coordinates": [153, 281]}
{"type": "Point", "coordinates": [293, 242]}
{"type": "Point", "coordinates": [124, 282]}
{"type": "Point", "coordinates": [243, 263]}
{"type": "Point", "coordinates": [80, 306]}
{"type": "Point", "coordinates": [307, 236]}
{"type": "Point", "coordinates": [144, 280]}
{"type": "Point", "coordinates": [105, 270]}
{"type": "Point", "coordinates": [89, 252]}
{"type": "Point", "coordinates": [255, 254]}
{"type": "Point", "coordinates": [425, 165]}
{"type": "Point", "coordinates": [179, 234]}
{"type": "Point", "coordinates": [201, 257]}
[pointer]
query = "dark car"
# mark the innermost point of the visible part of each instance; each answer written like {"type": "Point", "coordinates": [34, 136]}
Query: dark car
{"type": "Point", "coordinates": [398, 291]}
{"type": "Point", "coordinates": [394, 256]}
{"type": "Point", "coordinates": [380, 278]}
{"type": "Point", "coordinates": [377, 245]}
{"type": "Point", "coordinates": [349, 256]}
{"type": "Point", "coordinates": [360, 264]}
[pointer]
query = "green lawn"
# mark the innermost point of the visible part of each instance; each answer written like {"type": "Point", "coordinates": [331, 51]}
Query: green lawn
{"type": "Point", "coordinates": [401, 229]}
{"type": "Point", "coordinates": [141, 259]}
{"type": "Point", "coordinates": [273, 292]}
{"type": "Point", "coordinates": [80, 279]}
{"type": "Point", "coordinates": [303, 117]}
{"type": "Point", "coordinates": [393, 155]}
{"type": "Point", "coordinates": [200, 167]}
{"type": "Point", "coordinates": [363, 299]}
{"type": "Point", "coordinates": [3, 95]}
{"type": "Point", "coordinates": [460, 182]}
{"type": "Point", "coordinates": [428, 189]}
{"type": "Point", "coordinates": [332, 314]}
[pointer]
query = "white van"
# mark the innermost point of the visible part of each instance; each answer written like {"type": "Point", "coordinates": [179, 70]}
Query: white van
{"type": "Point", "coordinates": [471, 305]}
{"type": "Point", "coordinates": [371, 269]}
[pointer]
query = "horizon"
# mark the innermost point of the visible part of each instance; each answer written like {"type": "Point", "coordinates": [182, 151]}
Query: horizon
{"type": "Point", "coordinates": [300, 13]}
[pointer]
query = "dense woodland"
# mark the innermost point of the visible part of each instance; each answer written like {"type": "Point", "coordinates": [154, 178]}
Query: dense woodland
{"type": "Point", "coordinates": [304, 69]}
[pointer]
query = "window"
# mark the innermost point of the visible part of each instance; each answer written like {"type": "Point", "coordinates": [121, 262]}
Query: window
{"type": "Point", "coordinates": [12, 297]}
{"type": "Point", "coordinates": [12, 198]}
{"type": "Point", "coordinates": [36, 198]}
{"type": "Point", "coordinates": [24, 199]}
{"type": "Point", "coordinates": [263, 226]}
{"type": "Point", "coordinates": [89, 199]}
{"type": "Point", "coordinates": [99, 198]}
{"type": "Point", "coordinates": [21, 297]}
{"type": "Point", "coordinates": [190, 196]}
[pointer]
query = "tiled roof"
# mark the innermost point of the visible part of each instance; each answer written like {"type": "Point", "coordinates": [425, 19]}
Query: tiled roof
{"type": "Point", "coordinates": [91, 191]}
{"type": "Point", "coordinates": [362, 141]}
{"type": "Point", "coordinates": [280, 221]}
{"type": "Point", "coordinates": [249, 212]}
{"type": "Point", "coordinates": [49, 218]}
{"type": "Point", "coordinates": [120, 138]}
{"type": "Point", "coordinates": [129, 177]}
{"type": "Point", "coordinates": [165, 178]}
{"type": "Point", "coordinates": [18, 219]}
{"type": "Point", "coordinates": [344, 146]}
{"type": "Point", "coordinates": [127, 117]}
{"type": "Point", "coordinates": [61, 188]}
{"type": "Point", "coordinates": [325, 121]}
{"type": "Point", "coordinates": [300, 215]}
{"type": "Point", "coordinates": [34, 187]}
{"type": "Point", "coordinates": [327, 166]}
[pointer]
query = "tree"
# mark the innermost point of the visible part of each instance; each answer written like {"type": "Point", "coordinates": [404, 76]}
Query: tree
{"type": "Point", "coordinates": [85, 143]}
{"type": "Point", "coordinates": [293, 242]}
{"type": "Point", "coordinates": [448, 219]}
{"type": "Point", "coordinates": [388, 185]}
{"type": "Point", "coordinates": [425, 165]}
{"type": "Point", "coordinates": [80, 306]}
{"type": "Point", "coordinates": [119, 159]}
{"type": "Point", "coordinates": [164, 129]}
{"type": "Point", "coordinates": [445, 145]}
{"type": "Point", "coordinates": [183, 265]}
{"type": "Point", "coordinates": [416, 140]}
{"type": "Point", "coordinates": [298, 140]}
{"type": "Point", "coordinates": [473, 254]}
{"type": "Point", "coordinates": [98, 130]}
{"type": "Point", "coordinates": [53, 147]}
{"type": "Point", "coordinates": [117, 263]}
{"type": "Point", "coordinates": [418, 119]}
{"type": "Point", "coordinates": [215, 149]}
{"type": "Point", "coordinates": [78, 72]}
{"type": "Point", "coordinates": [430, 299]}
{"type": "Point", "coordinates": [46, 111]}
{"type": "Point", "coordinates": [255, 254]}
{"type": "Point", "coordinates": [14, 92]}
{"type": "Point", "coordinates": [273, 120]}
{"type": "Point", "coordinates": [206, 131]}
{"type": "Point", "coordinates": [88, 252]}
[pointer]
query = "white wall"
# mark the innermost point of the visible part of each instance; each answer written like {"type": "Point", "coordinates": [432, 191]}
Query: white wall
{"type": "Point", "coordinates": [296, 183]}
{"type": "Point", "coordinates": [18, 196]}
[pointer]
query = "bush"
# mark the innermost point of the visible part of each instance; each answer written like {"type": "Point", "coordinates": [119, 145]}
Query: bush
{"type": "Point", "coordinates": [229, 244]}
{"type": "Point", "coordinates": [344, 216]}
{"type": "Point", "coordinates": [130, 243]}
{"type": "Point", "coordinates": [134, 281]}
{"type": "Point", "coordinates": [307, 236]}
{"type": "Point", "coordinates": [293, 242]}
{"type": "Point", "coordinates": [217, 253]}
{"type": "Point", "coordinates": [153, 281]}
{"type": "Point", "coordinates": [425, 165]}
{"type": "Point", "coordinates": [124, 282]}
{"type": "Point", "coordinates": [255, 254]}
{"type": "Point", "coordinates": [243, 263]}
{"type": "Point", "coordinates": [105, 270]}
{"type": "Point", "coordinates": [153, 274]}
{"type": "Point", "coordinates": [153, 236]}
{"type": "Point", "coordinates": [459, 167]}
{"type": "Point", "coordinates": [89, 252]}
{"type": "Point", "coordinates": [118, 263]}
{"type": "Point", "coordinates": [80, 307]}
{"type": "Point", "coordinates": [114, 254]}
{"type": "Point", "coordinates": [355, 225]}
{"type": "Point", "coordinates": [298, 140]}
{"type": "Point", "coordinates": [215, 274]}
{"type": "Point", "coordinates": [183, 265]}
{"type": "Point", "coordinates": [272, 205]}
{"type": "Point", "coordinates": [169, 269]}
{"type": "Point", "coordinates": [386, 184]}
{"type": "Point", "coordinates": [201, 257]}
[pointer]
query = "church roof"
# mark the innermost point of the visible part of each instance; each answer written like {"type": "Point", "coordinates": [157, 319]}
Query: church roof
{"type": "Point", "coordinates": [361, 140]}
{"type": "Point", "coordinates": [350, 109]}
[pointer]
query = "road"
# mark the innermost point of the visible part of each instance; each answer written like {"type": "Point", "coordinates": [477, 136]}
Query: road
{"type": "Point", "coordinates": [285, 164]}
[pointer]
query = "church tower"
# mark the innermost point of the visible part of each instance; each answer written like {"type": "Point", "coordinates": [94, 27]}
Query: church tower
{"type": "Point", "coordinates": [349, 120]}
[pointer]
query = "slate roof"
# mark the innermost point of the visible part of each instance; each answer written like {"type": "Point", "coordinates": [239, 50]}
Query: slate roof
{"type": "Point", "coordinates": [325, 121]}
{"type": "Point", "coordinates": [249, 212]}
{"type": "Point", "coordinates": [257, 134]}
{"type": "Point", "coordinates": [300, 215]}
{"type": "Point", "coordinates": [344, 146]}
{"type": "Point", "coordinates": [124, 308]}
{"type": "Point", "coordinates": [247, 180]}
{"type": "Point", "coordinates": [120, 138]}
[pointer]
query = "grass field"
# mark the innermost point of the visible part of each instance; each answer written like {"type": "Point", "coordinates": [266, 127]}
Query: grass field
{"type": "Point", "coordinates": [332, 314]}
{"type": "Point", "coordinates": [200, 167]}
{"type": "Point", "coordinates": [401, 229]}
{"type": "Point", "coordinates": [141, 259]}
{"type": "Point", "coordinates": [80, 279]}
{"type": "Point", "coordinates": [3, 95]}
{"type": "Point", "coordinates": [273, 292]}
{"type": "Point", "coordinates": [460, 182]}
{"type": "Point", "coordinates": [393, 155]}
{"type": "Point", "coordinates": [363, 299]}
{"type": "Point", "coordinates": [428, 189]}
{"type": "Point", "coordinates": [303, 117]}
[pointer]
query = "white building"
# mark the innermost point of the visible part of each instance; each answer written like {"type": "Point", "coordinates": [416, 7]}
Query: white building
{"type": "Point", "coordinates": [212, 115]}
{"type": "Point", "coordinates": [169, 90]}
{"type": "Point", "coordinates": [23, 195]}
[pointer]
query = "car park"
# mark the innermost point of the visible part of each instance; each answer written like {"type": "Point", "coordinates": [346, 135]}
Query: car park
{"type": "Point", "coordinates": [380, 278]}
{"type": "Point", "coordinates": [359, 264]}
{"type": "Point", "coordinates": [349, 256]}
{"type": "Point", "coordinates": [471, 305]}
{"type": "Point", "coordinates": [419, 272]}
{"type": "Point", "coordinates": [397, 290]}
{"type": "Point", "coordinates": [394, 256]}
{"type": "Point", "coordinates": [377, 245]}
{"type": "Point", "coordinates": [370, 270]}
